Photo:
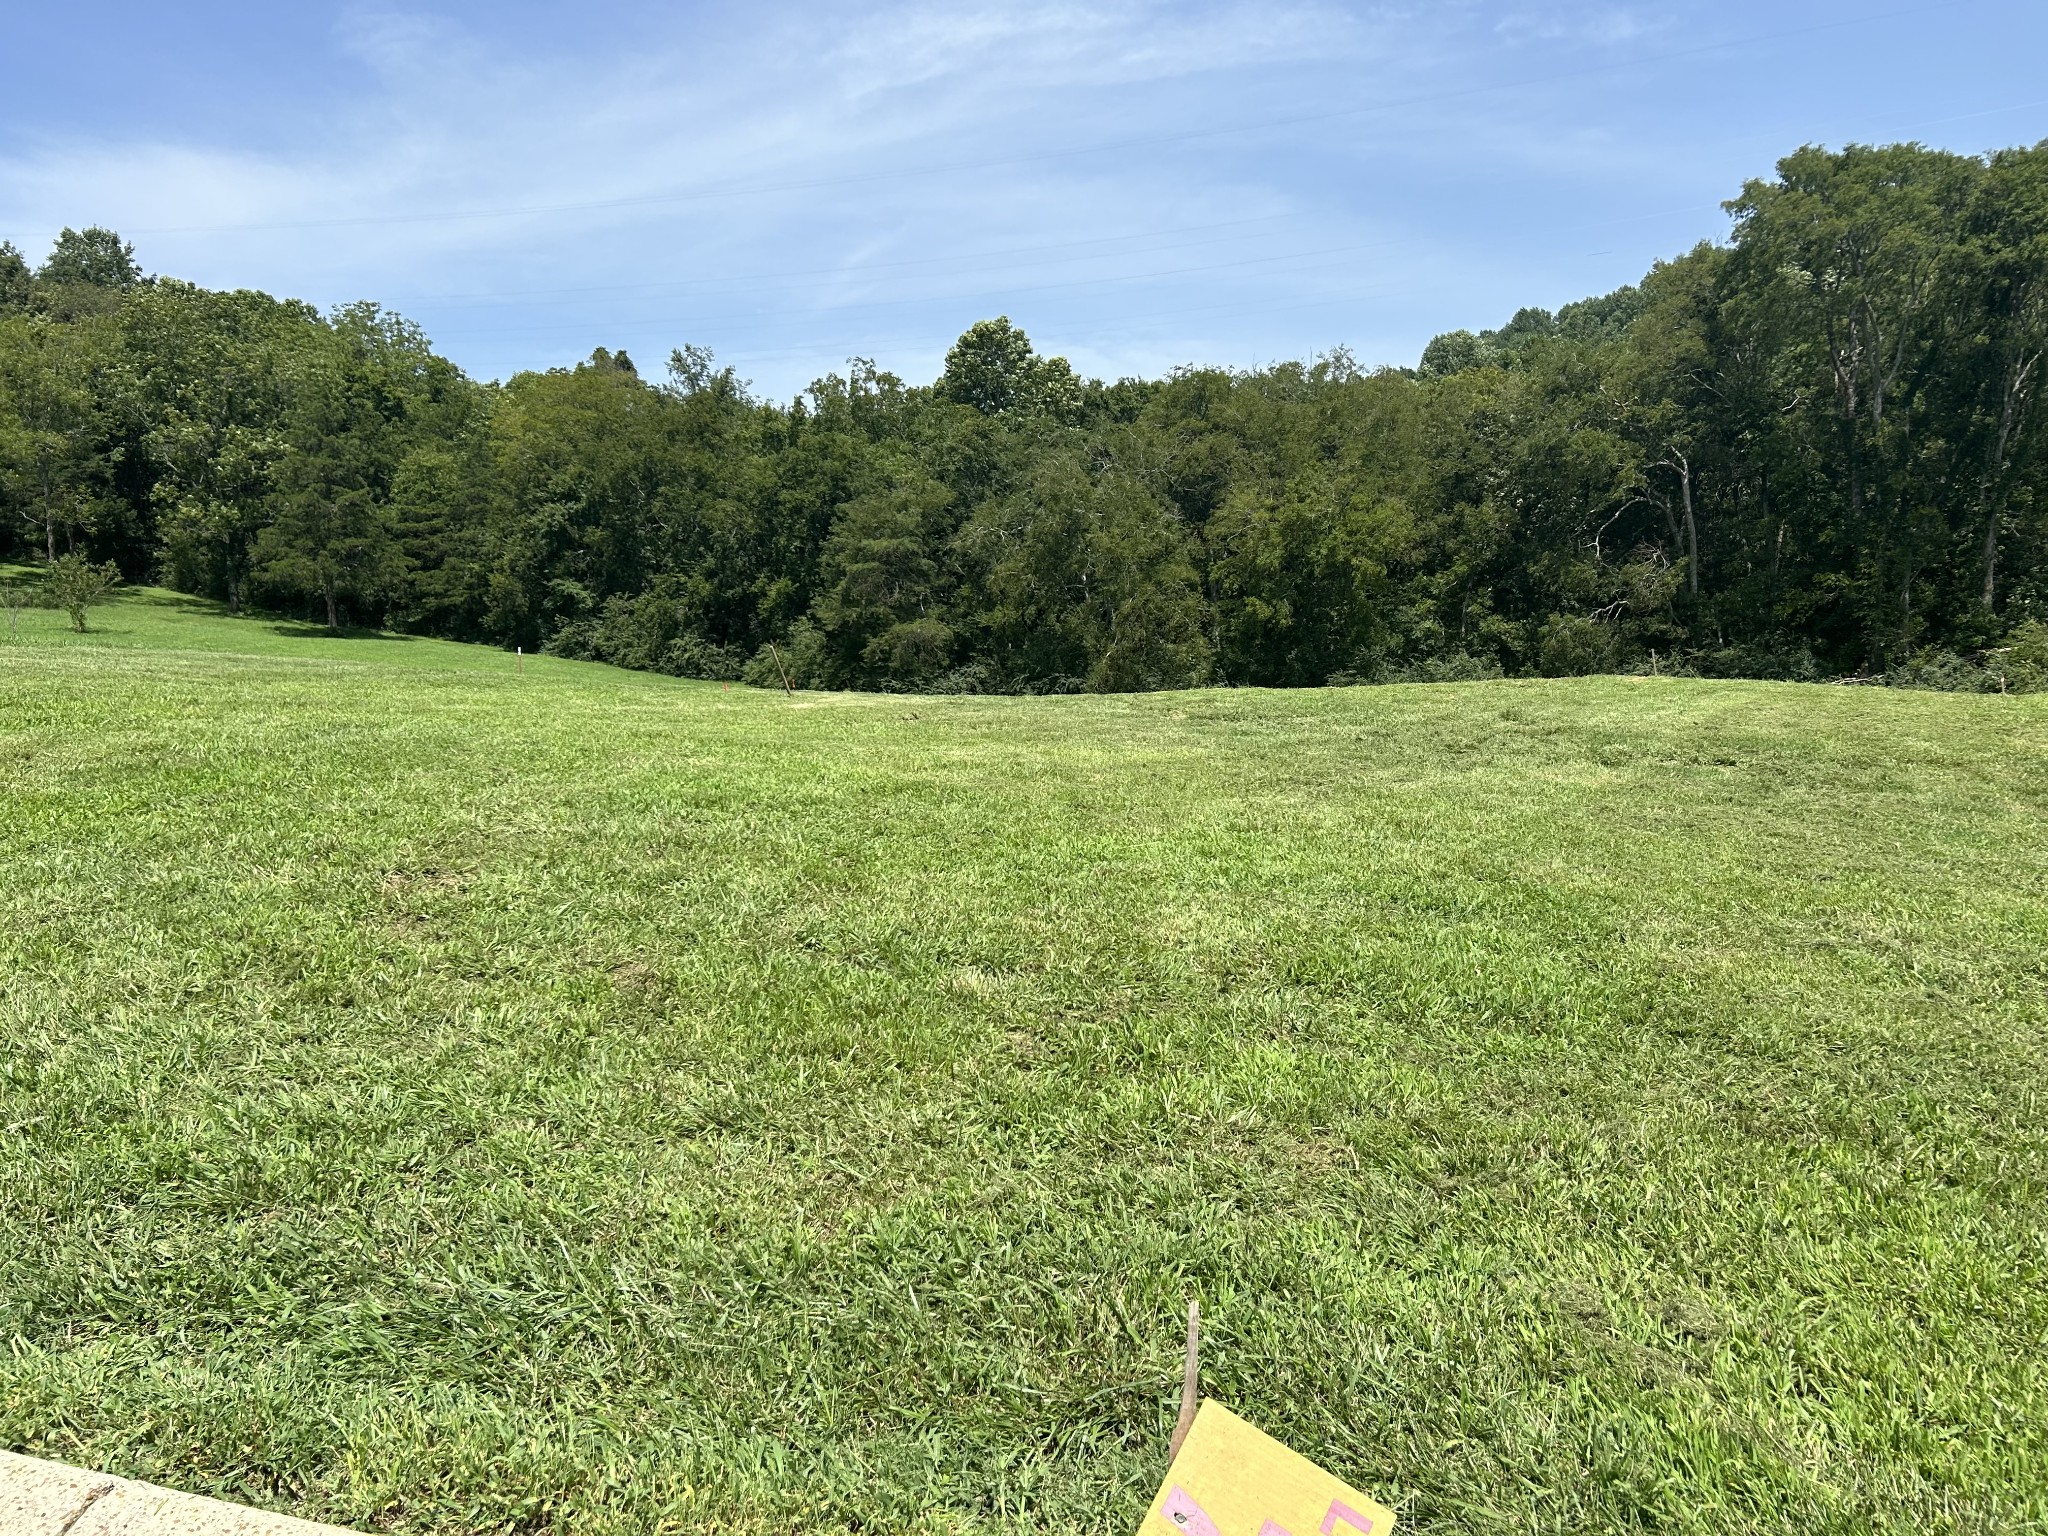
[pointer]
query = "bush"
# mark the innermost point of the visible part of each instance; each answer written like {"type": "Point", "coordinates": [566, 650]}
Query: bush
{"type": "Point", "coordinates": [1573, 647]}
{"type": "Point", "coordinates": [694, 656]}
{"type": "Point", "coordinates": [649, 634]}
{"type": "Point", "coordinates": [803, 656]}
{"type": "Point", "coordinates": [974, 677]}
{"type": "Point", "coordinates": [14, 597]}
{"type": "Point", "coordinates": [1795, 665]}
{"type": "Point", "coordinates": [910, 653]}
{"type": "Point", "coordinates": [2023, 663]}
{"type": "Point", "coordinates": [2019, 666]}
{"type": "Point", "coordinates": [1451, 667]}
{"type": "Point", "coordinates": [1941, 672]}
{"type": "Point", "coordinates": [76, 584]}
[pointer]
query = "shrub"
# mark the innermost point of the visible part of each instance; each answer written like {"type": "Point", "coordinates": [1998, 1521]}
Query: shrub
{"type": "Point", "coordinates": [803, 656]}
{"type": "Point", "coordinates": [13, 599]}
{"type": "Point", "coordinates": [76, 584]}
{"type": "Point", "coordinates": [648, 633]}
{"type": "Point", "coordinates": [1939, 670]}
{"type": "Point", "coordinates": [1573, 647]}
{"type": "Point", "coordinates": [1793, 665]}
{"type": "Point", "coordinates": [910, 653]}
{"type": "Point", "coordinates": [2023, 663]}
{"type": "Point", "coordinates": [691, 655]}
{"type": "Point", "coordinates": [1451, 667]}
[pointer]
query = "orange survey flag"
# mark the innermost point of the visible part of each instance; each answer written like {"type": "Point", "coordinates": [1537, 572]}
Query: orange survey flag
{"type": "Point", "coordinates": [1231, 1480]}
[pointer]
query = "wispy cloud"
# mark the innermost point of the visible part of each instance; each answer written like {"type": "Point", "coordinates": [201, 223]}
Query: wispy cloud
{"type": "Point", "coordinates": [703, 144]}
{"type": "Point", "coordinates": [1141, 182]}
{"type": "Point", "coordinates": [1013, 48]}
{"type": "Point", "coordinates": [1603, 26]}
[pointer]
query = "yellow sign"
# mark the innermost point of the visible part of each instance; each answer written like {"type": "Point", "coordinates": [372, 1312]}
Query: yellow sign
{"type": "Point", "coordinates": [1231, 1480]}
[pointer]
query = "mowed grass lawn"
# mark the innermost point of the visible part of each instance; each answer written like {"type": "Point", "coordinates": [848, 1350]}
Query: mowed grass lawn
{"type": "Point", "coordinates": [444, 1098]}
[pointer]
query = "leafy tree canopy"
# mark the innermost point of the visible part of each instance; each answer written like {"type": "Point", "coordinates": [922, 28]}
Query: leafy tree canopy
{"type": "Point", "coordinates": [94, 257]}
{"type": "Point", "coordinates": [1813, 449]}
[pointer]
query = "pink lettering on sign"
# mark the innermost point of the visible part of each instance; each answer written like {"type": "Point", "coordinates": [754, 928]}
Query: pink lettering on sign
{"type": "Point", "coordinates": [1272, 1529]}
{"type": "Point", "coordinates": [1185, 1515]}
{"type": "Point", "coordinates": [1339, 1510]}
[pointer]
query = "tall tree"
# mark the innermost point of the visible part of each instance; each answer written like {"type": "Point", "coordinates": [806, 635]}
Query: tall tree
{"type": "Point", "coordinates": [95, 257]}
{"type": "Point", "coordinates": [209, 374]}
{"type": "Point", "coordinates": [52, 426]}
{"type": "Point", "coordinates": [993, 368]}
{"type": "Point", "coordinates": [1663, 387]}
{"type": "Point", "coordinates": [883, 606]}
{"type": "Point", "coordinates": [15, 282]}
{"type": "Point", "coordinates": [2006, 267]}
{"type": "Point", "coordinates": [333, 533]}
{"type": "Point", "coordinates": [1847, 260]}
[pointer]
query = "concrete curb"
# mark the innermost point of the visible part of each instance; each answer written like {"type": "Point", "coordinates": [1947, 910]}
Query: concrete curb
{"type": "Point", "coordinates": [47, 1498]}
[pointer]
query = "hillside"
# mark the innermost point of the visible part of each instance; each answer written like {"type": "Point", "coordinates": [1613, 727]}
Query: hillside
{"type": "Point", "coordinates": [446, 1097]}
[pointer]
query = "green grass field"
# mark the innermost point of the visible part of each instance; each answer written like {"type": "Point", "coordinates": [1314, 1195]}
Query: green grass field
{"type": "Point", "coordinates": [440, 1098]}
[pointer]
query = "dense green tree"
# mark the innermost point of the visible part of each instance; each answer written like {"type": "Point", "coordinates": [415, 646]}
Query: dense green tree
{"type": "Point", "coordinates": [1813, 449]}
{"type": "Point", "coordinates": [16, 285]}
{"type": "Point", "coordinates": [95, 258]}
{"type": "Point", "coordinates": [88, 272]}
{"type": "Point", "coordinates": [993, 368]}
{"type": "Point", "coordinates": [886, 584]}
{"type": "Point", "coordinates": [54, 465]}
{"type": "Point", "coordinates": [2004, 274]}
{"type": "Point", "coordinates": [209, 374]}
{"type": "Point", "coordinates": [332, 532]}
{"type": "Point", "coordinates": [1846, 262]}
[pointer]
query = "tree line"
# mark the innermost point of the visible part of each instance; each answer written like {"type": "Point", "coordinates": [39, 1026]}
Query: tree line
{"type": "Point", "coordinates": [1811, 450]}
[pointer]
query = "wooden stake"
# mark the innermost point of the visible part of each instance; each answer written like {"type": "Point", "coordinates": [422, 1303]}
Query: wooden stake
{"type": "Point", "coordinates": [782, 669]}
{"type": "Point", "coordinates": [1190, 1378]}
{"type": "Point", "coordinates": [519, 659]}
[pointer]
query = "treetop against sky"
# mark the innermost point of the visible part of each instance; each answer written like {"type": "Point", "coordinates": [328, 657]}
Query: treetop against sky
{"type": "Point", "coordinates": [1142, 184]}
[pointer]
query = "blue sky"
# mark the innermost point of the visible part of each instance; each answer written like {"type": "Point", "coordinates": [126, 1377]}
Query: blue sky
{"type": "Point", "coordinates": [1137, 185]}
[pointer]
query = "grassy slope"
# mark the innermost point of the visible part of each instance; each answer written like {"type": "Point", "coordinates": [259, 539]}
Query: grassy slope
{"type": "Point", "coordinates": [447, 1099]}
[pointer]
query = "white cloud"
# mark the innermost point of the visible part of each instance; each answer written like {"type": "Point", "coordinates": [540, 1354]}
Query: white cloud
{"type": "Point", "coordinates": [1602, 26]}
{"type": "Point", "coordinates": [1007, 48]}
{"type": "Point", "coordinates": [692, 140]}
{"type": "Point", "coordinates": [813, 180]}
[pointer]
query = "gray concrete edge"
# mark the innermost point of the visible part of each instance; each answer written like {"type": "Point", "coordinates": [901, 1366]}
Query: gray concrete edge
{"type": "Point", "coordinates": [48, 1498]}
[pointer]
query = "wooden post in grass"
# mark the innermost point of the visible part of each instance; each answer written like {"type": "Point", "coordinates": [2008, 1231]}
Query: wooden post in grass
{"type": "Point", "coordinates": [782, 669]}
{"type": "Point", "coordinates": [1190, 1379]}
{"type": "Point", "coordinates": [519, 660]}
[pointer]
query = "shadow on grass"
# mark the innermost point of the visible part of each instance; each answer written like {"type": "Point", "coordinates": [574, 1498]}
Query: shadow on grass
{"type": "Point", "coordinates": [163, 600]}
{"type": "Point", "coordinates": [302, 629]}
{"type": "Point", "coordinates": [268, 618]}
